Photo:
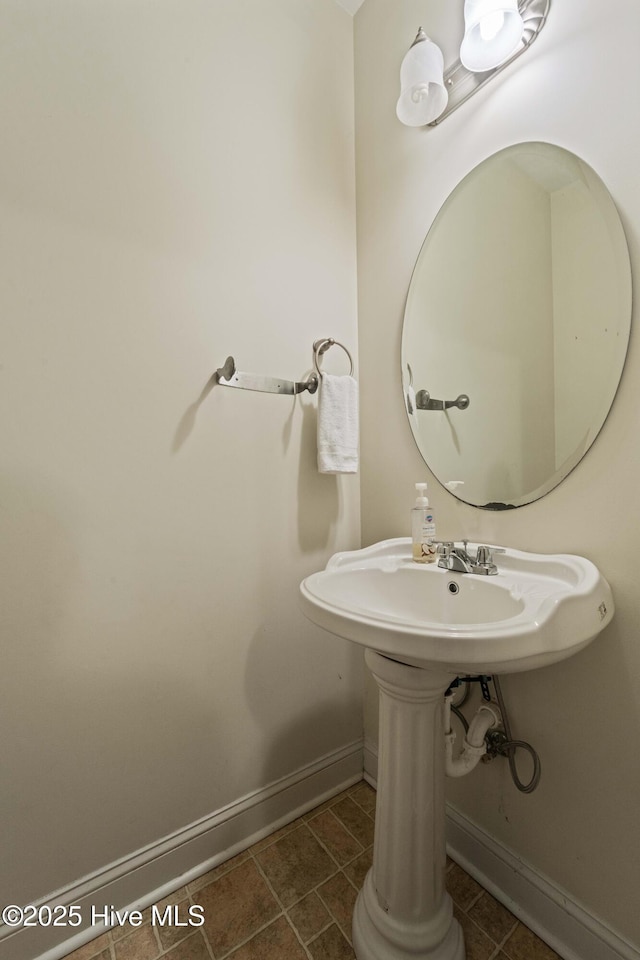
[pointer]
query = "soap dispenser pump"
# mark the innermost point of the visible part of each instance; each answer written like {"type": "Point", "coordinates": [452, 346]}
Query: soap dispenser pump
{"type": "Point", "coordinates": [423, 528]}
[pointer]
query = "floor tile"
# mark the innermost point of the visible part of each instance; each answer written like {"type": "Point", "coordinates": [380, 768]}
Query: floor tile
{"type": "Point", "coordinates": [91, 949]}
{"type": "Point", "coordinates": [178, 896]}
{"type": "Point", "coordinates": [355, 820]}
{"type": "Point", "coordinates": [342, 846]}
{"type": "Point", "coordinates": [331, 945]}
{"type": "Point", "coordinates": [218, 871]}
{"type": "Point", "coordinates": [193, 948]}
{"type": "Point", "coordinates": [122, 930]}
{"type": "Point", "coordinates": [365, 797]}
{"type": "Point", "coordinates": [168, 933]}
{"type": "Point", "coordinates": [340, 897]}
{"type": "Point", "coordinates": [139, 945]}
{"type": "Point", "coordinates": [492, 917]}
{"type": "Point", "coordinates": [313, 868]}
{"type": "Point", "coordinates": [523, 944]}
{"type": "Point", "coordinates": [326, 805]}
{"type": "Point", "coordinates": [295, 865]}
{"type": "Point", "coordinates": [357, 870]}
{"type": "Point", "coordinates": [236, 906]}
{"type": "Point", "coordinates": [477, 944]}
{"type": "Point", "coordinates": [463, 888]}
{"type": "Point", "coordinates": [275, 942]}
{"type": "Point", "coordinates": [309, 917]}
{"type": "Point", "coordinates": [282, 832]}
{"type": "Point", "coordinates": [103, 955]}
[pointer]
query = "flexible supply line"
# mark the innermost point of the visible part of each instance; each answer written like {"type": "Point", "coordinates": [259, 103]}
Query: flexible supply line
{"type": "Point", "coordinates": [509, 747]}
{"type": "Point", "coordinates": [474, 746]}
{"type": "Point", "coordinates": [493, 742]}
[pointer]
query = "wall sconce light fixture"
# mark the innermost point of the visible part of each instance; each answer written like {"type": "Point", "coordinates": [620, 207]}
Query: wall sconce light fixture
{"type": "Point", "coordinates": [492, 33]}
{"type": "Point", "coordinates": [496, 32]}
{"type": "Point", "coordinates": [423, 95]}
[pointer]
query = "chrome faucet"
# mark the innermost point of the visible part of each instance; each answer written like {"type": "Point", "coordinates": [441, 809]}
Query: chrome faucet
{"type": "Point", "coordinates": [456, 558]}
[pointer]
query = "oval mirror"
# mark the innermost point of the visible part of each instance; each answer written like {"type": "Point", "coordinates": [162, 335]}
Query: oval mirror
{"type": "Point", "coordinates": [516, 326]}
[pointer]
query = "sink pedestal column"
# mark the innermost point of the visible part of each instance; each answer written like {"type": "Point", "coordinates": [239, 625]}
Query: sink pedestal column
{"type": "Point", "coordinates": [403, 911]}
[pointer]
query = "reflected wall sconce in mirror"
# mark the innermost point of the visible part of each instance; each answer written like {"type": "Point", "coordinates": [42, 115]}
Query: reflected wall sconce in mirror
{"type": "Point", "coordinates": [496, 33]}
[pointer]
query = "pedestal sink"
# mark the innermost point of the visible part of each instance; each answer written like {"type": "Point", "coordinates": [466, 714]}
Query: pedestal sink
{"type": "Point", "coordinates": [423, 626]}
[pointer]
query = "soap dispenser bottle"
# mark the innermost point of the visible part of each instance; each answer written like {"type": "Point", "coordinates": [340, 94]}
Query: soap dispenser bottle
{"type": "Point", "coordinates": [423, 528]}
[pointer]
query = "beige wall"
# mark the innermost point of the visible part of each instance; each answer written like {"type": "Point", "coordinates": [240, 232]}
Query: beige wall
{"type": "Point", "coordinates": [581, 826]}
{"type": "Point", "coordinates": [176, 185]}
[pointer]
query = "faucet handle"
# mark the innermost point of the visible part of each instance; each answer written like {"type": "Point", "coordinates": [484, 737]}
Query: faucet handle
{"type": "Point", "coordinates": [484, 559]}
{"type": "Point", "coordinates": [444, 548]}
{"type": "Point", "coordinates": [486, 553]}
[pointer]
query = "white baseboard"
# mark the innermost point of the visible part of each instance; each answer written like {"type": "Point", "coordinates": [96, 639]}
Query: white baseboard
{"type": "Point", "coordinates": [545, 908]}
{"type": "Point", "coordinates": [155, 871]}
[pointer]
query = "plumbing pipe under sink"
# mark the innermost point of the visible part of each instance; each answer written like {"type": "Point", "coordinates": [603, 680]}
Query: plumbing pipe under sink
{"type": "Point", "coordinates": [474, 746]}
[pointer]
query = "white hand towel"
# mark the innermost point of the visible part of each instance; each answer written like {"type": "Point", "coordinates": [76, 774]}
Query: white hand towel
{"type": "Point", "coordinates": [338, 424]}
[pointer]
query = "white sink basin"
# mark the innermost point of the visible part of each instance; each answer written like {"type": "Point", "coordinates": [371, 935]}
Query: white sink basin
{"type": "Point", "coordinates": [537, 610]}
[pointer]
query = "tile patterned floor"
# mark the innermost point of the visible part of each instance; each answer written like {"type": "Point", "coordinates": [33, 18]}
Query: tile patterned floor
{"type": "Point", "coordinates": [291, 897]}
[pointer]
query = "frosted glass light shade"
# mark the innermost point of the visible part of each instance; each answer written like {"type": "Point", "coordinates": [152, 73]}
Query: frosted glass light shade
{"type": "Point", "coordinates": [423, 96]}
{"type": "Point", "coordinates": [493, 31]}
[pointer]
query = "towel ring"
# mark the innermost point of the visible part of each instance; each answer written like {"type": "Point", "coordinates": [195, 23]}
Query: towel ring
{"type": "Point", "coordinates": [321, 346]}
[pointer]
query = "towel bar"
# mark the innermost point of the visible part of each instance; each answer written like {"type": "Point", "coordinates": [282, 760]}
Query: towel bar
{"type": "Point", "coordinates": [228, 376]}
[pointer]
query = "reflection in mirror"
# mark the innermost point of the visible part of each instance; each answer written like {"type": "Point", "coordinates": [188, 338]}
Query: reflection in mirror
{"type": "Point", "coordinates": [520, 300]}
